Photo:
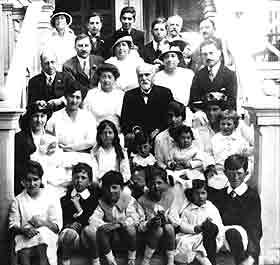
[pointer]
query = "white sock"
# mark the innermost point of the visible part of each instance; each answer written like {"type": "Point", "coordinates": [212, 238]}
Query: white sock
{"type": "Point", "coordinates": [170, 256]}
{"type": "Point", "coordinates": [66, 262]}
{"type": "Point", "coordinates": [131, 254]}
{"type": "Point", "coordinates": [110, 258]}
{"type": "Point", "coordinates": [95, 261]}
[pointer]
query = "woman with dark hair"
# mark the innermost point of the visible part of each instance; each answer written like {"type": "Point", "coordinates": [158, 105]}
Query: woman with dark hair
{"type": "Point", "coordinates": [108, 153]}
{"type": "Point", "coordinates": [32, 139]}
{"type": "Point", "coordinates": [74, 127]}
{"type": "Point", "coordinates": [107, 91]}
{"type": "Point", "coordinates": [126, 59]}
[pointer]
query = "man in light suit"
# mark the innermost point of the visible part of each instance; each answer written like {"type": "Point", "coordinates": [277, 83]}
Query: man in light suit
{"type": "Point", "coordinates": [213, 77]}
{"type": "Point", "coordinates": [82, 67]}
{"type": "Point", "coordinates": [146, 105]}
{"type": "Point", "coordinates": [49, 84]}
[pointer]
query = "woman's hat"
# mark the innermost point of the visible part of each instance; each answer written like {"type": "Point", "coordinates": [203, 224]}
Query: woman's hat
{"type": "Point", "coordinates": [31, 109]}
{"type": "Point", "coordinates": [123, 36]}
{"type": "Point", "coordinates": [67, 16]}
{"type": "Point", "coordinates": [174, 49]}
{"type": "Point", "coordinates": [107, 67]}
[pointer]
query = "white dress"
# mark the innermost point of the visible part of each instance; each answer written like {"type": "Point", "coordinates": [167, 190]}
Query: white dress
{"type": "Point", "coordinates": [187, 245]}
{"type": "Point", "coordinates": [47, 206]}
{"type": "Point", "coordinates": [103, 104]}
{"type": "Point", "coordinates": [127, 67]}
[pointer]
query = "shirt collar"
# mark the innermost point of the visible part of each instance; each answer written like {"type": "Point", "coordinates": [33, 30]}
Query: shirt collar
{"type": "Point", "coordinates": [48, 76]}
{"type": "Point", "coordinates": [82, 60]}
{"type": "Point", "coordinates": [215, 68]}
{"type": "Point", "coordinates": [94, 36]}
{"type": "Point", "coordinates": [129, 31]}
{"type": "Point", "coordinates": [84, 194]}
{"type": "Point", "coordinates": [193, 206]}
{"type": "Point", "coordinates": [145, 93]}
{"type": "Point", "coordinates": [240, 190]}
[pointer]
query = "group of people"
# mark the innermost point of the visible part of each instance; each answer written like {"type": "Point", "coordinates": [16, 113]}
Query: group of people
{"type": "Point", "coordinates": [140, 143]}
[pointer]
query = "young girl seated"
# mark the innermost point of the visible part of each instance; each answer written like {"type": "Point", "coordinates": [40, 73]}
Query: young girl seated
{"type": "Point", "coordinates": [186, 160]}
{"type": "Point", "coordinates": [143, 156]}
{"type": "Point", "coordinates": [225, 143]}
{"type": "Point", "coordinates": [35, 219]}
{"type": "Point", "coordinates": [115, 219]}
{"type": "Point", "coordinates": [155, 226]}
{"type": "Point", "coordinates": [108, 153]}
{"type": "Point", "coordinates": [198, 225]}
{"type": "Point", "coordinates": [77, 205]}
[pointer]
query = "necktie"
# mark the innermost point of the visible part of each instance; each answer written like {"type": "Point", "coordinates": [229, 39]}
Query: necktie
{"type": "Point", "coordinates": [49, 80]}
{"type": "Point", "coordinates": [211, 74]}
{"type": "Point", "coordinates": [85, 70]}
{"type": "Point", "coordinates": [158, 52]}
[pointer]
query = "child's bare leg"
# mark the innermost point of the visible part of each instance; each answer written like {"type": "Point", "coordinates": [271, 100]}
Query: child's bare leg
{"type": "Point", "coordinates": [202, 259]}
{"type": "Point", "coordinates": [169, 239]}
{"type": "Point", "coordinates": [88, 239]}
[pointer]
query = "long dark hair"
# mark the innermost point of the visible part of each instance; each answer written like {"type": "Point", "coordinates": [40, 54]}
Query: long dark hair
{"type": "Point", "coordinates": [116, 141]}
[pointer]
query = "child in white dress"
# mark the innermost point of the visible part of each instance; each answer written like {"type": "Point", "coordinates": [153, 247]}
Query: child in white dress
{"type": "Point", "coordinates": [186, 159]}
{"type": "Point", "coordinates": [198, 225]}
{"type": "Point", "coordinates": [226, 142]}
{"type": "Point", "coordinates": [143, 156]}
{"type": "Point", "coordinates": [35, 219]}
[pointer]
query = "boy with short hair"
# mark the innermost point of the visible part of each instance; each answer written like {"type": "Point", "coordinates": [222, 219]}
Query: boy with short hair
{"type": "Point", "coordinates": [116, 216]}
{"type": "Point", "coordinates": [240, 209]}
{"type": "Point", "coordinates": [77, 206]}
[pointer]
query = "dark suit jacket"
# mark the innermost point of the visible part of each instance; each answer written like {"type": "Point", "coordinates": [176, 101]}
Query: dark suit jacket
{"type": "Point", "coordinates": [149, 116]}
{"type": "Point", "coordinates": [149, 54]}
{"type": "Point", "coordinates": [39, 90]}
{"type": "Point", "coordinates": [136, 35]}
{"type": "Point", "coordinates": [24, 147]}
{"type": "Point", "coordinates": [225, 81]}
{"type": "Point", "coordinates": [244, 210]}
{"type": "Point", "coordinates": [73, 67]}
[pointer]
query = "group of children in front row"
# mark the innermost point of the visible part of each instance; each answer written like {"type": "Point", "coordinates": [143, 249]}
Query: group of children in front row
{"type": "Point", "coordinates": [99, 218]}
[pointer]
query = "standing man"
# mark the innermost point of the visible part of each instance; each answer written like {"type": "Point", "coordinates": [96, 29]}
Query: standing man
{"type": "Point", "coordinates": [154, 49]}
{"type": "Point", "coordinates": [213, 77]}
{"type": "Point", "coordinates": [174, 27]}
{"type": "Point", "coordinates": [146, 105]}
{"type": "Point", "coordinates": [49, 84]}
{"type": "Point", "coordinates": [82, 67]}
{"type": "Point", "coordinates": [94, 26]}
{"type": "Point", "coordinates": [127, 18]}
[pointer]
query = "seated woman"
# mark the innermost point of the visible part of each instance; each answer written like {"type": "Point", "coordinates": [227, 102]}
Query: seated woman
{"type": "Point", "coordinates": [126, 59]}
{"type": "Point", "coordinates": [107, 100]}
{"type": "Point", "coordinates": [177, 79]}
{"type": "Point", "coordinates": [35, 219]}
{"type": "Point", "coordinates": [108, 153]}
{"type": "Point", "coordinates": [32, 142]}
{"type": "Point", "coordinates": [155, 226]}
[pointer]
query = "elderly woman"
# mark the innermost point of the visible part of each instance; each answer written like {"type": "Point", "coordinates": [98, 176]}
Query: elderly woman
{"type": "Point", "coordinates": [126, 59]}
{"type": "Point", "coordinates": [32, 140]}
{"type": "Point", "coordinates": [176, 78]}
{"type": "Point", "coordinates": [62, 38]}
{"type": "Point", "coordinates": [106, 100]}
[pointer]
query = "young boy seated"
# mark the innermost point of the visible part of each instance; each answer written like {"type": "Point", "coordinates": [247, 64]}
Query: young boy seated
{"type": "Point", "coordinates": [240, 209]}
{"type": "Point", "coordinates": [115, 217]}
{"type": "Point", "coordinates": [77, 205]}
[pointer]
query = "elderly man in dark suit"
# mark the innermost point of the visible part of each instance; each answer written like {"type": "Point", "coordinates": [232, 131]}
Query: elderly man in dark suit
{"type": "Point", "coordinates": [127, 18]}
{"type": "Point", "coordinates": [82, 67]}
{"type": "Point", "coordinates": [213, 77]}
{"type": "Point", "coordinates": [49, 84]}
{"type": "Point", "coordinates": [146, 105]}
{"type": "Point", "coordinates": [153, 49]}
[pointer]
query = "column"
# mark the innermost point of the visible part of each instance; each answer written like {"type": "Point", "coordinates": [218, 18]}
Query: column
{"type": "Point", "coordinates": [266, 118]}
{"type": "Point", "coordinates": [8, 124]}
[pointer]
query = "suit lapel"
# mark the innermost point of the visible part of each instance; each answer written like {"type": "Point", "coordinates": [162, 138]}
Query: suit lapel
{"type": "Point", "coordinates": [92, 66]}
